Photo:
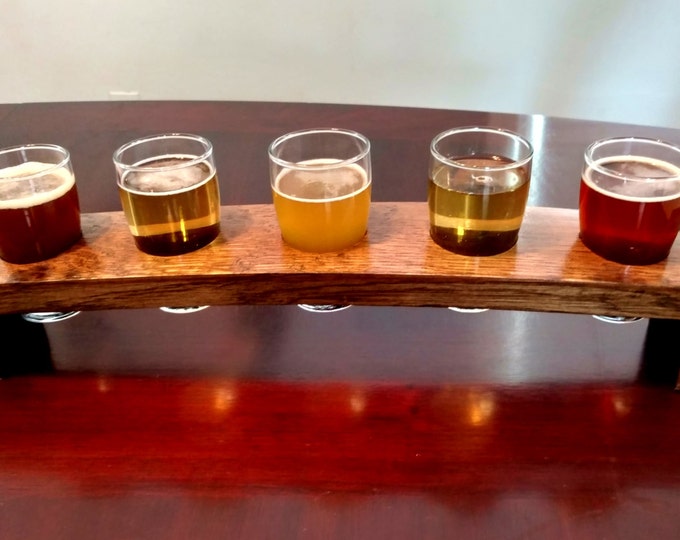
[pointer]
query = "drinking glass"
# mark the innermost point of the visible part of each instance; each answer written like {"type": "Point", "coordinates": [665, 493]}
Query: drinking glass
{"type": "Point", "coordinates": [169, 191]}
{"type": "Point", "coordinates": [321, 187]}
{"type": "Point", "coordinates": [39, 208]}
{"type": "Point", "coordinates": [477, 190]}
{"type": "Point", "coordinates": [629, 203]}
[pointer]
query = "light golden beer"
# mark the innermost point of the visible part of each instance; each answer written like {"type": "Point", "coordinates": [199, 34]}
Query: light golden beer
{"type": "Point", "coordinates": [477, 212]}
{"type": "Point", "coordinates": [325, 209]}
{"type": "Point", "coordinates": [171, 208]}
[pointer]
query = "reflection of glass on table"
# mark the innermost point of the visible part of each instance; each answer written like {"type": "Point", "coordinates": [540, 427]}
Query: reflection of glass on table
{"type": "Point", "coordinates": [323, 308]}
{"type": "Point", "coordinates": [468, 310]}
{"type": "Point", "coordinates": [183, 310]}
{"type": "Point", "coordinates": [614, 319]}
{"type": "Point", "coordinates": [49, 316]}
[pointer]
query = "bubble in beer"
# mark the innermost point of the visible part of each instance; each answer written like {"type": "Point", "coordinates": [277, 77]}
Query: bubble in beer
{"type": "Point", "coordinates": [158, 180]}
{"type": "Point", "coordinates": [483, 179]}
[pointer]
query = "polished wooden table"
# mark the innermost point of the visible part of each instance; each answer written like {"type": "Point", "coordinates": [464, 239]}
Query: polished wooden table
{"type": "Point", "coordinates": [266, 421]}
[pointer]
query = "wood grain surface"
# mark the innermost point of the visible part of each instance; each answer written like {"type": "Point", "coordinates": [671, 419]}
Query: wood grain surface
{"type": "Point", "coordinates": [396, 264]}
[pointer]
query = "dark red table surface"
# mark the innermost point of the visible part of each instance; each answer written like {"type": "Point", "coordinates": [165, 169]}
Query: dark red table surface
{"type": "Point", "coordinates": [271, 422]}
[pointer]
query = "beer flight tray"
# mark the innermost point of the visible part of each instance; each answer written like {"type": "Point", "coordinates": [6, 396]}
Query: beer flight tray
{"type": "Point", "coordinates": [397, 264]}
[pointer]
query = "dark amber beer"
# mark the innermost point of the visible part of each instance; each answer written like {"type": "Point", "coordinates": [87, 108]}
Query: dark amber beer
{"type": "Point", "coordinates": [171, 199]}
{"type": "Point", "coordinates": [478, 189]}
{"type": "Point", "coordinates": [629, 204]}
{"type": "Point", "coordinates": [39, 208]}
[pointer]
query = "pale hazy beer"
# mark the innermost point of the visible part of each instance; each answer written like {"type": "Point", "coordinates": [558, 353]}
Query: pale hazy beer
{"type": "Point", "coordinates": [171, 200]}
{"type": "Point", "coordinates": [478, 189]}
{"type": "Point", "coordinates": [322, 210]}
{"type": "Point", "coordinates": [322, 197]}
{"type": "Point", "coordinates": [629, 205]}
{"type": "Point", "coordinates": [39, 208]}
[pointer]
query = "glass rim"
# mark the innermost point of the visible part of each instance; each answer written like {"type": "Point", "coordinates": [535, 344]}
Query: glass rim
{"type": "Point", "coordinates": [595, 164]}
{"type": "Point", "coordinates": [482, 129]}
{"type": "Point", "coordinates": [366, 148]}
{"type": "Point", "coordinates": [39, 146]}
{"type": "Point", "coordinates": [159, 137]}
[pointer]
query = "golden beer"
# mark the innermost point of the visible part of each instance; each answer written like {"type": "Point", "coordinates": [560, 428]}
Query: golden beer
{"type": "Point", "coordinates": [476, 211]}
{"type": "Point", "coordinates": [324, 209]}
{"type": "Point", "coordinates": [171, 208]}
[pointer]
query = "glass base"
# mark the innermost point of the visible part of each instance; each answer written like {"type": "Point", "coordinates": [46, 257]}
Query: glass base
{"type": "Point", "coordinates": [616, 319]}
{"type": "Point", "coordinates": [324, 308]}
{"type": "Point", "coordinates": [48, 316]}
{"type": "Point", "coordinates": [468, 310]}
{"type": "Point", "coordinates": [183, 310]}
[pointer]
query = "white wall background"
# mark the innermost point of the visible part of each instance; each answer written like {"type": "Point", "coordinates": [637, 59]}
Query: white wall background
{"type": "Point", "coordinates": [613, 60]}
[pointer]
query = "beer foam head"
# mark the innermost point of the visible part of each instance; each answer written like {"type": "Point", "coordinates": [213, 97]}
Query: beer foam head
{"type": "Point", "coordinates": [634, 178]}
{"type": "Point", "coordinates": [32, 183]}
{"type": "Point", "coordinates": [166, 175]}
{"type": "Point", "coordinates": [321, 184]}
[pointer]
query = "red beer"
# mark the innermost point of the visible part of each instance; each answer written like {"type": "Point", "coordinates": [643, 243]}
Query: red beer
{"type": "Point", "coordinates": [629, 208]}
{"type": "Point", "coordinates": [39, 211]}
